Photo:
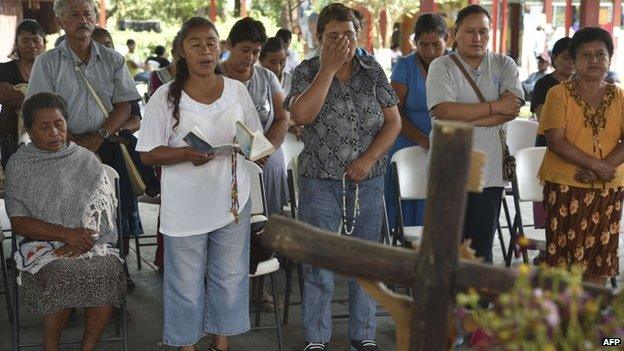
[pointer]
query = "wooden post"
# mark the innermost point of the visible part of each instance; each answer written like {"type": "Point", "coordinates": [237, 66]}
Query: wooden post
{"type": "Point", "coordinates": [590, 10]}
{"type": "Point", "coordinates": [426, 6]}
{"type": "Point", "coordinates": [102, 14]}
{"type": "Point", "coordinates": [494, 15]}
{"type": "Point", "coordinates": [213, 10]}
{"type": "Point", "coordinates": [504, 25]}
{"type": "Point", "coordinates": [437, 260]}
{"type": "Point", "coordinates": [548, 11]}
{"type": "Point", "coordinates": [617, 13]}
{"type": "Point", "coordinates": [243, 8]}
{"type": "Point", "coordinates": [515, 19]}
{"type": "Point", "coordinates": [568, 17]}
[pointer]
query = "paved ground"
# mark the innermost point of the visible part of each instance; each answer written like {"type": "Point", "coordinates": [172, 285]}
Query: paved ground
{"type": "Point", "coordinates": [145, 308]}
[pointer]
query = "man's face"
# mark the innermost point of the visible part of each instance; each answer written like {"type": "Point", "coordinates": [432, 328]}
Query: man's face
{"type": "Point", "coordinates": [78, 19]}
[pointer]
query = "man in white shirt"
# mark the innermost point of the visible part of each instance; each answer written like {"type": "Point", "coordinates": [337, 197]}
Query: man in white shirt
{"type": "Point", "coordinates": [292, 58]}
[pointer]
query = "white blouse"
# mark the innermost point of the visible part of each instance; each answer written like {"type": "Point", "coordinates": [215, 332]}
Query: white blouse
{"type": "Point", "coordinates": [197, 200]}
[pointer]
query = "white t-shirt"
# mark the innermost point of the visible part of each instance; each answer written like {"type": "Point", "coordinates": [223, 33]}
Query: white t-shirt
{"type": "Point", "coordinates": [197, 200]}
{"type": "Point", "coordinates": [292, 61]}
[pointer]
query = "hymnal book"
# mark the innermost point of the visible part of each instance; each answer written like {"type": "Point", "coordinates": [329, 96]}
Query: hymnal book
{"type": "Point", "coordinates": [254, 145]}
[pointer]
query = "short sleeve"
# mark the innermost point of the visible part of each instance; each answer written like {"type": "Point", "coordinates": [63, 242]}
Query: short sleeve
{"type": "Point", "coordinates": [399, 72]}
{"type": "Point", "coordinates": [274, 83]}
{"type": "Point", "coordinates": [440, 85]}
{"type": "Point", "coordinates": [125, 90]}
{"type": "Point", "coordinates": [155, 126]}
{"type": "Point", "coordinates": [40, 79]}
{"type": "Point", "coordinates": [554, 110]}
{"type": "Point", "coordinates": [251, 118]}
{"type": "Point", "coordinates": [510, 80]}
{"type": "Point", "coordinates": [539, 93]}
{"type": "Point", "coordinates": [301, 80]}
{"type": "Point", "coordinates": [386, 96]}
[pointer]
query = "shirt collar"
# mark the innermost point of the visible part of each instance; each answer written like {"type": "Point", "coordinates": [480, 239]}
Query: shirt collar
{"type": "Point", "coordinates": [67, 52]}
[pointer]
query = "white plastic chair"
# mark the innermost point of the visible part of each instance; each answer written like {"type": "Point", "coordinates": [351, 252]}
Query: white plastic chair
{"type": "Point", "coordinates": [521, 134]}
{"type": "Point", "coordinates": [121, 327]}
{"type": "Point", "coordinates": [270, 266]}
{"type": "Point", "coordinates": [291, 148]}
{"type": "Point", "coordinates": [526, 187]}
{"type": "Point", "coordinates": [256, 196]}
{"type": "Point", "coordinates": [410, 170]}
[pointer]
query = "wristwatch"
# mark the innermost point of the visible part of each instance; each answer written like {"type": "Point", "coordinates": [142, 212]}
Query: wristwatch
{"type": "Point", "coordinates": [103, 133]}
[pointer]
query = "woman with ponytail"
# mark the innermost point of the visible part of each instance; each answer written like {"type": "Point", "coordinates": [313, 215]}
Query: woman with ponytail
{"type": "Point", "coordinates": [205, 210]}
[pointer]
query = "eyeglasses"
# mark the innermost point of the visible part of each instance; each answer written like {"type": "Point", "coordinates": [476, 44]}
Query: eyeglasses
{"type": "Point", "coordinates": [335, 36]}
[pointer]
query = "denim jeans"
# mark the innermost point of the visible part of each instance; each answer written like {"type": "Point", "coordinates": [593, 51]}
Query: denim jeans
{"type": "Point", "coordinates": [320, 202]}
{"type": "Point", "coordinates": [206, 283]}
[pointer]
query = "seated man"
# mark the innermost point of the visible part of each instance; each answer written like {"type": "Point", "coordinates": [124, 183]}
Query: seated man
{"type": "Point", "coordinates": [63, 212]}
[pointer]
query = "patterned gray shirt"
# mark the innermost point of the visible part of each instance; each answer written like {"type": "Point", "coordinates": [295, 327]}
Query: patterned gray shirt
{"type": "Point", "coordinates": [349, 120]}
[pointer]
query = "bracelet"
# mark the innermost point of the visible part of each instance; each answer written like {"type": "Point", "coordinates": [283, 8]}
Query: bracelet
{"type": "Point", "coordinates": [491, 110]}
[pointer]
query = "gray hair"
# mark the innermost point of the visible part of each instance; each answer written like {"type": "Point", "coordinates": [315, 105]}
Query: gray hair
{"type": "Point", "coordinates": [60, 5]}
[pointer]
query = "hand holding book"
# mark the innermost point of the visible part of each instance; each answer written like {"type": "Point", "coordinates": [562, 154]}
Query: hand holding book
{"type": "Point", "coordinates": [253, 145]}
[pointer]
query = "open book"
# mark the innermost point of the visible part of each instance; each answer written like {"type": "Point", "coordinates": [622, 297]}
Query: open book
{"type": "Point", "coordinates": [254, 145]}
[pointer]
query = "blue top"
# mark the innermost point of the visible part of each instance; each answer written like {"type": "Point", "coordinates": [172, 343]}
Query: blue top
{"type": "Point", "coordinates": [407, 71]}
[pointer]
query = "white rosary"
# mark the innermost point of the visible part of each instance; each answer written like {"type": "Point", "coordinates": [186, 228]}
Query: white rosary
{"type": "Point", "coordinates": [356, 205]}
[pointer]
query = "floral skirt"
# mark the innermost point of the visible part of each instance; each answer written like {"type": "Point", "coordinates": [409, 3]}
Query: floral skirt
{"type": "Point", "coordinates": [582, 227]}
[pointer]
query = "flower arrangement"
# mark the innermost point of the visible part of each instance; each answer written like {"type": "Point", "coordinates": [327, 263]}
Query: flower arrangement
{"type": "Point", "coordinates": [562, 318]}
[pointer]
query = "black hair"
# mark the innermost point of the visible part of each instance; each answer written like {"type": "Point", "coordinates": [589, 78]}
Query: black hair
{"type": "Point", "coordinates": [470, 10]}
{"type": "Point", "coordinates": [130, 42]}
{"type": "Point", "coordinates": [560, 47]}
{"type": "Point", "coordinates": [247, 29]}
{"type": "Point", "coordinates": [335, 12]}
{"type": "Point", "coordinates": [430, 23]}
{"type": "Point", "coordinates": [39, 101]}
{"type": "Point", "coordinates": [99, 31]}
{"type": "Point", "coordinates": [360, 19]}
{"type": "Point", "coordinates": [159, 50]}
{"type": "Point", "coordinates": [285, 35]}
{"type": "Point", "coordinates": [182, 72]}
{"type": "Point", "coordinates": [30, 26]}
{"type": "Point", "coordinates": [588, 35]}
{"type": "Point", "coordinates": [274, 44]}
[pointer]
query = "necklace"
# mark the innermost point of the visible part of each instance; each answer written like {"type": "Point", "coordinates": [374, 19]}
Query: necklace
{"type": "Point", "coordinates": [356, 206]}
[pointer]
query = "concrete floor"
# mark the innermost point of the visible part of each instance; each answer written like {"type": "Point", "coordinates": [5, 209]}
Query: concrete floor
{"type": "Point", "coordinates": [145, 309]}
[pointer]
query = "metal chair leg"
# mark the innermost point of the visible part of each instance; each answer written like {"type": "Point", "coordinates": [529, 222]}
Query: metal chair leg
{"type": "Point", "coordinates": [614, 283]}
{"type": "Point", "coordinates": [259, 300]}
{"type": "Point", "coordinates": [5, 280]}
{"type": "Point", "coordinates": [138, 251]}
{"type": "Point", "coordinates": [287, 290]}
{"type": "Point", "coordinates": [278, 325]}
{"type": "Point", "coordinates": [499, 230]}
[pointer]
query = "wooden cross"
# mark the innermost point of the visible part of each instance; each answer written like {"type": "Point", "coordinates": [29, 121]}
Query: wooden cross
{"type": "Point", "coordinates": [435, 273]}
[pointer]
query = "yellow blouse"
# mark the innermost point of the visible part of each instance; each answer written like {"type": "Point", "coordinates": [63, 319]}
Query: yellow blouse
{"type": "Point", "coordinates": [597, 135]}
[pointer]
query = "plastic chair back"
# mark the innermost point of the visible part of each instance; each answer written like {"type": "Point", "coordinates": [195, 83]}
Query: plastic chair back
{"type": "Point", "coordinates": [528, 162]}
{"type": "Point", "coordinates": [521, 134]}
{"type": "Point", "coordinates": [412, 171]}
{"type": "Point", "coordinates": [256, 196]}
{"type": "Point", "coordinates": [291, 147]}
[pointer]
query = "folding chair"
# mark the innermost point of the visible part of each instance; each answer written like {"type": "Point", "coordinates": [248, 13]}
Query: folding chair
{"type": "Point", "coordinates": [521, 134]}
{"type": "Point", "coordinates": [410, 170]}
{"type": "Point", "coordinates": [270, 266]}
{"type": "Point", "coordinates": [120, 320]}
{"type": "Point", "coordinates": [526, 187]}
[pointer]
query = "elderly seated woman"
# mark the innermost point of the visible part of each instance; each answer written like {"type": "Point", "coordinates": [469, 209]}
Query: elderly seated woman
{"type": "Point", "coordinates": [62, 205]}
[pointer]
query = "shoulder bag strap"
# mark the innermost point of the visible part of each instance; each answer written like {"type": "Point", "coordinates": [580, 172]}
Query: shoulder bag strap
{"type": "Point", "coordinates": [92, 92]}
{"type": "Point", "coordinates": [468, 77]}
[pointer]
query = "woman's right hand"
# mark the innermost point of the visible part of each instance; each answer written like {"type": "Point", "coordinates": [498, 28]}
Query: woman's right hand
{"type": "Point", "coordinates": [508, 104]}
{"type": "Point", "coordinates": [603, 170]}
{"type": "Point", "coordinates": [81, 238]}
{"type": "Point", "coordinates": [197, 158]}
{"type": "Point", "coordinates": [335, 54]}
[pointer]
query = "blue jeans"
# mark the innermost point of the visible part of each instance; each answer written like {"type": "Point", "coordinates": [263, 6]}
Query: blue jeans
{"type": "Point", "coordinates": [206, 283]}
{"type": "Point", "coordinates": [320, 202]}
